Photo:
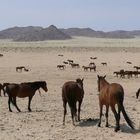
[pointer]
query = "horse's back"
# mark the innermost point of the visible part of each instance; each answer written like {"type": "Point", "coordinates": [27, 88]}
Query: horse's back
{"type": "Point", "coordinates": [19, 90]}
{"type": "Point", "coordinates": [116, 93]}
{"type": "Point", "coordinates": [71, 90]}
{"type": "Point", "coordinates": [112, 94]}
{"type": "Point", "coordinates": [12, 89]}
{"type": "Point", "coordinates": [116, 88]}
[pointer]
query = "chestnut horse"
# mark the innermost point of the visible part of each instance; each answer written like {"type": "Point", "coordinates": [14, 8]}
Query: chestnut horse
{"type": "Point", "coordinates": [110, 95]}
{"type": "Point", "coordinates": [72, 91]}
{"type": "Point", "coordinates": [23, 90]}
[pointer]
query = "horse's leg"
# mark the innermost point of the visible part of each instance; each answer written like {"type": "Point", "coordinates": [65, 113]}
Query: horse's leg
{"type": "Point", "coordinates": [116, 117]}
{"type": "Point", "coordinates": [107, 109]}
{"type": "Point", "coordinates": [65, 111]}
{"type": "Point", "coordinates": [9, 101]}
{"type": "Point", "coordinates": [73, 112]}
{"type": "Point", "coordinates": [4, 93]}
{"type": "Point", "coordinates": [119, 111]}
{"type": "Point", "coordinates": [101, 109]}
{"type": "Point", "coordinates": [79, 109]}
{"type": "Point", "coordinates": [15, 103]}
{"type": "Point", "coordinates": [29, 103]}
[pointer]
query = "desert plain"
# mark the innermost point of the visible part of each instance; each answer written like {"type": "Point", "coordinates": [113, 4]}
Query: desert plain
{"type": "Point", "coordinates": [45, 120]}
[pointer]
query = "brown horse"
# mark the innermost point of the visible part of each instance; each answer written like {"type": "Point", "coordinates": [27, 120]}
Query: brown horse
{"type": "Point", "coordinates": [72, 91]}
{"type": "Point", "coordinates": [23, 90]}
{"type": "Point", "coordinates": [137, 93]}
{"type": "Point", "coordinates": [61, 67]}
{"type": "Point", "coordinates": [110, 95]}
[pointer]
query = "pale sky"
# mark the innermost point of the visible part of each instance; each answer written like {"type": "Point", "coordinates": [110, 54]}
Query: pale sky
{"type": "Point", "coordinates": [106, 15]}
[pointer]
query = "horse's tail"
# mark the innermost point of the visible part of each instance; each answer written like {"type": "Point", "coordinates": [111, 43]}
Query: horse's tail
{"type": "Point", "coordinates": [72, 105]}
{"type": "Point", "coordinates": [129, 122]}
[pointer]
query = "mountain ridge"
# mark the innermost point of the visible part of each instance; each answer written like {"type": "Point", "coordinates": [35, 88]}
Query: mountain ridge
{"type": "Point", "coordinates": [37, 33]}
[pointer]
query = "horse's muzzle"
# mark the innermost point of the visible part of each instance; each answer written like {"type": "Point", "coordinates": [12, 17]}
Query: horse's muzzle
{"type": "Point", "coordinates": [46, 89]}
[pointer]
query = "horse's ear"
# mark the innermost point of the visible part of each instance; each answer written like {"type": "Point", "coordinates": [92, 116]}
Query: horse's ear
{"type": "Point", "coordinates": [104, 77]}
{"type": "Point", "coordinates": [82, 79]}
{"type": "Point", "coordinates": [98, 76]}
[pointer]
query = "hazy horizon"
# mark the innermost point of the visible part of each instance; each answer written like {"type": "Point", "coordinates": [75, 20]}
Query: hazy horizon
{"type": "Point", "coordinates": [96, 14]}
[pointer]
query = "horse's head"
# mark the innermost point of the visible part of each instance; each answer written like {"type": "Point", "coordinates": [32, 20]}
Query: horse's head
{"type": "Point", "coordinates": [100, 79]}
{"type": "Point", "coordinates": [43, 85]}
{"type": "Point", "coordinates": [80, 82]}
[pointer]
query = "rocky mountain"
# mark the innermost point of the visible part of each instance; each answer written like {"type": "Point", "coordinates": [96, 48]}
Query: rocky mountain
{"type": "Point", "coordinates": [35, 33]}
{"type": "Point", "coordinates": [100, 34]}
{"type": "Point", "coordinates": [31, 33]}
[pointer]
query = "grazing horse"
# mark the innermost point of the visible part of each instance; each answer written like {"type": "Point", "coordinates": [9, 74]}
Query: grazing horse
{"type": "Point", "coordinates": [23, 90]}
{"type": "Point", "coordinates": [72, 91]}
{"type": "Point", "coordinates": [19, 68]}
{"type": "Point", "coordinates": [128, 62]}
{"type": "Point", "coordinates": [137, 93]}
{"type": "Point", "coordinates": [70, 61]}
{"type": "Point", "coordinates": [110, 95]}
{"type": "Point", "coordinates": [104, 63]}
{"type": "Point", "coordinates": [74, 65]}
{"type": "Point", "coordinates": [93, 57]}
{"type": "Point", "coordinates": [137, 67]}
{"type": "Point", "coordinates": [61, 67]}
{"type": "Point", "coordinates": [91, 64]}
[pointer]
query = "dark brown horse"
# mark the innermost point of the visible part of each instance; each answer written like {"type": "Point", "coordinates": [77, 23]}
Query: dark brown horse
{"type": "Point", "coordinates": [72, 91]}
{"type": "Point", "coordinates": [23, 90]}
{"type": "Point", "coordinates": [137, 93]}
{"type": "Point", "coordinates": [110, 95]}
{"type": "Point", "coordinates": [61, 67]}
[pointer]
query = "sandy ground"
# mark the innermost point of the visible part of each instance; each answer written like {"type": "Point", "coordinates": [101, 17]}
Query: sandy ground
{"type": "Point", "coordinates": [45, 121]}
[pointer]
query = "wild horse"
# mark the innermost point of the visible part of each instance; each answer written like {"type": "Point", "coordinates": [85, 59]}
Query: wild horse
{"type": "Point", "coordinates": [110, 95]}
{"type": "Point", "coordinates": [23, 90]}
{"type": "Point", "coordinates": [72, 91]}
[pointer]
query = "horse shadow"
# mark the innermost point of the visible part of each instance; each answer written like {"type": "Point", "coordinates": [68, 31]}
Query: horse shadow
{"type": "Point", "coordinates": [33, 111]}
{"type": "Point", "coordinates": [127, 129]}
{"type": "Point", "coordinates": [88, 122]}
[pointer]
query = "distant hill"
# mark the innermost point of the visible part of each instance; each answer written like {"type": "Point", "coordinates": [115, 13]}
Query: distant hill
{"type": "Point", "coordinates": [100, 34]}
{"type": "Point", "coordinates": [35, 33]}
{"type": "Point", "coordinates": [31, 33]}
{"type": "Point", "coordinates": [83, 32]}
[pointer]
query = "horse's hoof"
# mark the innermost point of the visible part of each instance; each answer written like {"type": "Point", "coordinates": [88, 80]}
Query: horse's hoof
{"type": "Point", "coordinates": [29, 110]}
{"type": "Point", "coordinates": [73, 124]}
{"type": "Point", "coordinates": [99, 125]}
{"type": "Point", "coordinates": [10, 110]}
{"type": "Point", "coordinates": [117, 129]}
{"type": "Point", "coordinates": [107, 125]}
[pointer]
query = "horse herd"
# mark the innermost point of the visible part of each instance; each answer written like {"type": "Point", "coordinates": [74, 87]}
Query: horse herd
{"type": "Point", "coordinates": [110, 94]}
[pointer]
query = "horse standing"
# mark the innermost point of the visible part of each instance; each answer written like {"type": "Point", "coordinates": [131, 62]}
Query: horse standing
{"type": "Point", "coordinates": [72, 91]}
{"type": "Point", "coordinates": [110, 95]}
{"type": "Point", "coordinates": [23, 90]}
